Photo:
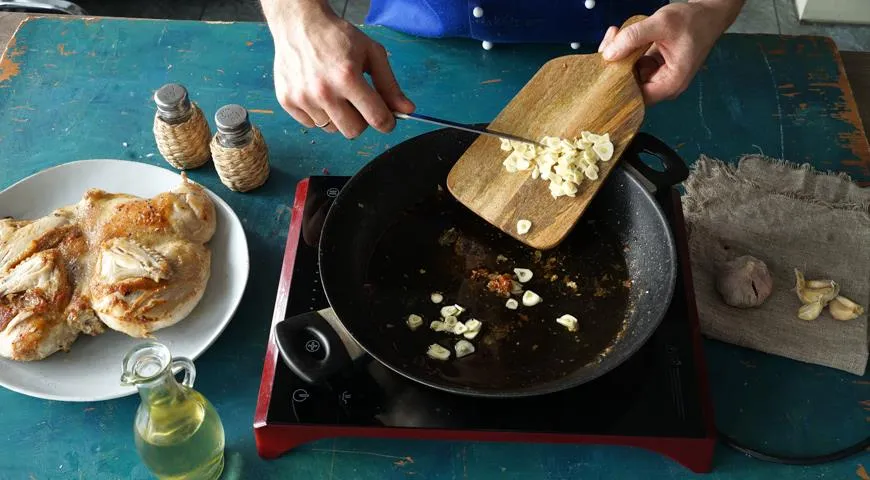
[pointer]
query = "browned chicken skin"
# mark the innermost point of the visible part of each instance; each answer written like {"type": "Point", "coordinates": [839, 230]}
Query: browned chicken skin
{"type": "Point", "coordinates": [135, 265]}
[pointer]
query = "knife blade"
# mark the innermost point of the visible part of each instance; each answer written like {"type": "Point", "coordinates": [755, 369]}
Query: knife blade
{"type": "Point", "coordinates": [462, 126]}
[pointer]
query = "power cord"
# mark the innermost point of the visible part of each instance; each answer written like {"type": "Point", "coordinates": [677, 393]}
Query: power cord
{"type": "Point", "coordinates": [789, 460]}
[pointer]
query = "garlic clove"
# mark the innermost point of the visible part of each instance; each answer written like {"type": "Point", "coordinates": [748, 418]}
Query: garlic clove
{"type": "Point", "coordinates": [818, 283]}
{"type": "Point", "coordinates": [436, 297]}
{"type": "Point", "coordinates": [841, 308]}
{"type": "Point", "coordinates": [825, 291]}
{"type": "Point", "coordinates": [512, 304]}
{"type": "Point", "coordinates": [810, 311]}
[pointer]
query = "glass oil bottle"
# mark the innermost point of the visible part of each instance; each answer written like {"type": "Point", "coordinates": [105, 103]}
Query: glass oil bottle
{"type": "Point", "coordinates": [177, 431]}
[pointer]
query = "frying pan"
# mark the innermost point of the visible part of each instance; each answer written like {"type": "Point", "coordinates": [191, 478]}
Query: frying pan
{"type": "Point", "coordinates": [394, 236]}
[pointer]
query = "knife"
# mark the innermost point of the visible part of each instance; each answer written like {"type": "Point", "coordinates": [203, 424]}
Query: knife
{"type": "Point", "coordinates": [461, 126]}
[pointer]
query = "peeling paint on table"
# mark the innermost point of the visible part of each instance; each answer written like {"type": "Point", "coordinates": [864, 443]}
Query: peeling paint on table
{"type": "Point", "coordinates": [78, 89]}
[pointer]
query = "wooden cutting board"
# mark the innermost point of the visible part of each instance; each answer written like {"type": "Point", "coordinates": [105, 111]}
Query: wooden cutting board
{"type": "Point", "coordinates": [566, 96]}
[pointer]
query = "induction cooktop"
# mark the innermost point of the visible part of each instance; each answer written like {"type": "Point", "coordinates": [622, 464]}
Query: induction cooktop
{"type": "Point", "coordinates": [658, 400]}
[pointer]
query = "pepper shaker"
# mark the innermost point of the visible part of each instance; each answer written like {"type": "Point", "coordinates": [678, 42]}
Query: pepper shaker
{"type": "Point", "coordinates": [238, 149]}
{"type": "Point", "coordinates": [180, 129]}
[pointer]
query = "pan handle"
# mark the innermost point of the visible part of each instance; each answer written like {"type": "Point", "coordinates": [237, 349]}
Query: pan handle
{"type": "Point", "coordinates": [675, 168]}
{"type": "Point", "coordinates": [311, 347]}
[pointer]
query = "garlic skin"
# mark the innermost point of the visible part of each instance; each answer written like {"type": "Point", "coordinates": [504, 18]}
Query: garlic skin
{"type": "Point", "coordinates": [810, 311]}
{"type": "Point", "coordinates": [841, 308]}
{"type": "Point", "coordinates": [822, 291]}
{"type": "Point", "coordinates": [744, 282]}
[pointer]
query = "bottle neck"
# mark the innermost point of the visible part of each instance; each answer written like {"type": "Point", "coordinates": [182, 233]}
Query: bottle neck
{"type": "Point", "coordinates": [162, 389]}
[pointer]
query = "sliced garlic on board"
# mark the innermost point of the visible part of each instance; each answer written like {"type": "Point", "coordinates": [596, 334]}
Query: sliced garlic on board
{"type": "Point", "coordinates": [523, 226]}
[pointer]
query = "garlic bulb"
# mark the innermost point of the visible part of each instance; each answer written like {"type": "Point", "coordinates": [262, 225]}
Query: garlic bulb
{"type": "Point", "coordinates": [744, 282]}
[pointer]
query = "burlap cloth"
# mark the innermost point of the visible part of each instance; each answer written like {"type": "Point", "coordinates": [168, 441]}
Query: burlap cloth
{"type": "Point", "coordinates": [789, 216]}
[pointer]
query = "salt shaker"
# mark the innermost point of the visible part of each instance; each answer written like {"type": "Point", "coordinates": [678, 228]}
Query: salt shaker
{"type": "Point", "coordinates": [180, 129]}
{"type": "Point", "coordinates": [239, 151]}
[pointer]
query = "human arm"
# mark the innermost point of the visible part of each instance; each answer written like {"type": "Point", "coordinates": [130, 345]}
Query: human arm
{"type": "Point", "coordinates": [319, 66]}
{"type": "Point", "coordinates": [682, 35]}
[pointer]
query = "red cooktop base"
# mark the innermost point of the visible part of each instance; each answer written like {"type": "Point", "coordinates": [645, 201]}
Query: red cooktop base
{"type": "Point", "coordinates": [277, 431]}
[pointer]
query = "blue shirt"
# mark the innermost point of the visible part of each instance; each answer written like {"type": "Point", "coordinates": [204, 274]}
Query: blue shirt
{"type": "Point", "coordinates": [509, 21]}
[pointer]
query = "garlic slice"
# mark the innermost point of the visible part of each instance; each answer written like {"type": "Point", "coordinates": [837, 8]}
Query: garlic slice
{"type": "Point", "coordinates": [449, 311]}
{"type": "Point", "coordinates": [523, 226]}
{"type": "Point", "coordinates": [604, 150]}
{"type": "Point", "coordinates": [438, 326]}
{"type": "Point", "coordinates": [568, 321]}
{"type": "Point", "coordinates": [459, 328]}
{"type": "Point", "coordinates": [523, 274]}
{"type": "Point", "coordinates": [437, 352]}
{"type": "Point", "coordinates": [512, 304]}
{"type": "Point", "coordinates": [530, 298]}
{"type": "Point", "coordinates": [450, 322]}
{"type": "Point", "coordinates": [414, 321]}
{"type": "Point", "coordinates": [463, 348]}
{"type": "Point", "coordinates": [473, 325]}
{"type": "Point", "coordinates": [436, 297]}
{"type": "Point", "coordinates": [470, 335]}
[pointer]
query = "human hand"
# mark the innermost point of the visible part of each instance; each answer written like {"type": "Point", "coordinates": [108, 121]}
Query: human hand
{"type": "Point", "coordinates": [320, 61]}
{"type": "Point", "coordinates": [682, 35]}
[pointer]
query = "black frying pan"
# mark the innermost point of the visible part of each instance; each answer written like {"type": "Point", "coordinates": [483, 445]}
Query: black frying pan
{"type": "Point", "coordinates": [394, 235]}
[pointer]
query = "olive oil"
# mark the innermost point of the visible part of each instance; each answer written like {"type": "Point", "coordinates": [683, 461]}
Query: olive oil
{"type": "Point", "coordinates": [177, 432]}
{"type": "Point", "coordinates": [182, 440]}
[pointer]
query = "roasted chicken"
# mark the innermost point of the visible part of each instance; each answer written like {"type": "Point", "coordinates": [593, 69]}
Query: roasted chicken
{"type": "Point", "coordinates": [112, 260]}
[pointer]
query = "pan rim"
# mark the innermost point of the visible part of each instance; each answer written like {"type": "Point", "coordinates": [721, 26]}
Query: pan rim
{"type": "Point", "coordinates": [604, 366]}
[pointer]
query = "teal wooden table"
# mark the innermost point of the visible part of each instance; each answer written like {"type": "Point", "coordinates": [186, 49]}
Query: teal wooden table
{"type": "Point", "coordinates": [73, 89]}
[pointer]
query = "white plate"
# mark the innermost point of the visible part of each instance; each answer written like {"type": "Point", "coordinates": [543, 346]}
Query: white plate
{"type": "Point", "coordinates": [91, 370]}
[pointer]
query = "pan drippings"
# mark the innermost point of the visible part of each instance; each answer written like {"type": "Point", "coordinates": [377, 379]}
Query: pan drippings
{"type": "Point", "coordinates": [439, 246]}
